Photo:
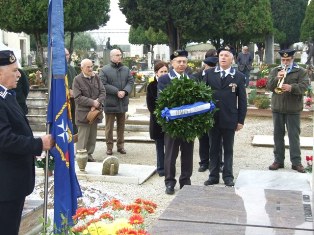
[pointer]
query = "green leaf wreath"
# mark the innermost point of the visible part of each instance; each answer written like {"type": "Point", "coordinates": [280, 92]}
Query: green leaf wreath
{"type": "Point", "coordinates": [182, 92]}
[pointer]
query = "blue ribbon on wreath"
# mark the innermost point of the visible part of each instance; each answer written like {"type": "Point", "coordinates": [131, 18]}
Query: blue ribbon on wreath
{"type": "Point", "coordinates": [187, 110]}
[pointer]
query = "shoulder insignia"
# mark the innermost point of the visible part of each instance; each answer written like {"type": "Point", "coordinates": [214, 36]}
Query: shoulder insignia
{"type": "Point", "coordinates": [3, 94]}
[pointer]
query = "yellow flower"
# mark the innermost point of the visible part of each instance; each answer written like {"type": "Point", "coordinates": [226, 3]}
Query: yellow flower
{"type": "Point", "coordinates": [121, 223]}
{"type": "Point", "coordinates": [99, 228]}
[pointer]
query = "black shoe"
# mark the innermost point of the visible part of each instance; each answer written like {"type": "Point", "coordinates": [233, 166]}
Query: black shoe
{"type": "Point", "coordinates": [161, 173]}
{"type": "Point", "coordinates": [211, 182]}
{"type": "Point", "coordinates": [202, 168]}
{"type": "Point", "coordinates": [90, 158]}
{"type": "Point", "coordinates": [170, 190]}
{"type": "Point", "coordinates": [229, 183]}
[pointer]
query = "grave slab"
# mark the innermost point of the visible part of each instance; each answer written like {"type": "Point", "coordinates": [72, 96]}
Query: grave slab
{"type": "Point", "coordinates": [227, 210]}
{"type": "Point", "coordinates": [268, 141]}
{"type": "Point", "coordinates": [277, 180]}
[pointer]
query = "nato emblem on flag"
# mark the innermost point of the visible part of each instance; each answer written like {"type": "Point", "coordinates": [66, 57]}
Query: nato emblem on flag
{"type": "Point", "coordinates": [66, 187]}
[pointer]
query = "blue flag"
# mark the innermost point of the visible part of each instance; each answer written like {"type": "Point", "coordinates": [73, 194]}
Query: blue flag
{"type": "Point", "coordinates": [66, 187]}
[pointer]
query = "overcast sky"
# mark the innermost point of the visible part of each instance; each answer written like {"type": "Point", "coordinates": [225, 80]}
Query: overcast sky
{"type": "Point", "coordinates": [117, 19]}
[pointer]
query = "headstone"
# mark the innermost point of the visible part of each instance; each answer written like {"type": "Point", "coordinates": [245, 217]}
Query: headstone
{"type": "Point", "coordinates": [149, 60]}
{"type": "Point", "coordinates": [110, 166]}
{"type": "Point", "coordinates": [269, 49]}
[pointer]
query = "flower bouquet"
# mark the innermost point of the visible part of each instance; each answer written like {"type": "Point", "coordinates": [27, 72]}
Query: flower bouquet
{"type": "Point", "coordinates": [113, 217]}
{"type": "Point", "coordinates": [308, 102]}
{"type": "Point", "coordinates": [264, 70]}
{"type": "Point", "coordinates": [261, 83]}
{"type": "Point", "coordinates": [309, 164]}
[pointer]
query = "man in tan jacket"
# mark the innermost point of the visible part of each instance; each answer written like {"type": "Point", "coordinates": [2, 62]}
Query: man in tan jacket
{"type": "Point", "coordinates": [89, 94]}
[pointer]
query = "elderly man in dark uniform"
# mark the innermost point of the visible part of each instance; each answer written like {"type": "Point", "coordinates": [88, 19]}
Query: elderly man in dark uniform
{"type": "Point", "coordinates": [229, 92]}
{"type": "Point", "coordinates": [288, 83]}
{"type": "Point", "coordinates": [18, 148]}
{"type": "Point", "coordinates": [179, 63]}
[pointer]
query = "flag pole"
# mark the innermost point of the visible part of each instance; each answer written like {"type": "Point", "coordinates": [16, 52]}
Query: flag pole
{"type": "Point", "coordinates": [47, 151]}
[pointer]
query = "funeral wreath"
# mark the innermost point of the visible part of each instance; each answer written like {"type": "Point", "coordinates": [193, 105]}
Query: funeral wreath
{"type": "Point", "coordinates": [185, 109]}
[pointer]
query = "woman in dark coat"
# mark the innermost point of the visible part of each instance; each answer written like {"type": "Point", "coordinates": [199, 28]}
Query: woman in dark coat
{"type": "Point", "coordinates": [155, 130]}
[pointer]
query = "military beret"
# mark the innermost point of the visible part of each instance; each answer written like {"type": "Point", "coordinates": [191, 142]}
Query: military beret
{"type": "Point", "coordinates": [226, 48]}
{"type": "Point", "coordinates": [7, 57]}
{"type": "Point", "coordinates": [287, 53]}
{"type": "Point", "coordinates": [178, 53]}
{"type": "Point", "coordinates": [211, 61]}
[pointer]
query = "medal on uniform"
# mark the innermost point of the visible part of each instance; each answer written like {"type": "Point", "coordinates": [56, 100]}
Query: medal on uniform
{"type": "Point", "coordinates": [233, 87]}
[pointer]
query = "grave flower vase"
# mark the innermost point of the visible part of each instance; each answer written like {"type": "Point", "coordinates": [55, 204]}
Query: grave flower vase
{"type": "Point", "coordinates": [81, 158]}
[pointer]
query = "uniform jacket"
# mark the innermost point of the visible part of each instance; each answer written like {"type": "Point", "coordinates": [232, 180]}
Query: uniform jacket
{"type": "Point", "coordinates": [288, 102]}
{"type": "Point", "coordinates": [85, 91]}
{"type": "Point", "coordinates": [199, 76]}
{"type": "Point", "coordinates": [165, 79]}
{"type": "Point", "coordinates": [116, 77]}
{"type": "Point", "coordinates": [155, 129]}
{"type": "Point", "coordinates": [230, 96]}
{"type": "Point", "coordinates": [18, 148]}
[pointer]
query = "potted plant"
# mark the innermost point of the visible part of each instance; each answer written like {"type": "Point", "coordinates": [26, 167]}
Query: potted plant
{"type": "Point", "coordinates": [262, 102]}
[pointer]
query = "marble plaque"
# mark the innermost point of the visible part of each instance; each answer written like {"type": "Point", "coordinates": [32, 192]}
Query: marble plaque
{"type": "Point", "coordinates": [244, 207]}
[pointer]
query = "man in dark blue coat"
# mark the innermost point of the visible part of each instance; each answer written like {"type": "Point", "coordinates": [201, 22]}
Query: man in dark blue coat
{"type": "Point", "coordinates": [18, 148]}
{"type": "Point", "coordinates": [230, 95]}
{"type": "Point", "coordinates": [179, 63]}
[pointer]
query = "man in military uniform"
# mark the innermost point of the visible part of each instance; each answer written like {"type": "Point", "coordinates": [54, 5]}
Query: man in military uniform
{"type": "Point", "coordinates": [18, 148]}
{"type": "Point", "coordinates": [179, 63]}
{"type": "Point", "coordinates": [230, 95]}
{"type": "Point", "coordinates": [288, 83]}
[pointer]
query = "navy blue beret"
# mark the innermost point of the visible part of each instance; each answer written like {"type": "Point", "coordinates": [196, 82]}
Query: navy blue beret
{"type": "Point", "coordinates": [211, 61]}
{"type": "Point", "coordinates": [226, 48]}
{"type": "Point", "coordinates": [7, 57]}
{"type": "Point", "coordinates": [287, 53]}
{"type": "Point", "coordinates": [178, 53]}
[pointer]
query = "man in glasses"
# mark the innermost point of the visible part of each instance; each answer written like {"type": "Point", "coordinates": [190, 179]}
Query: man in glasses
{"type": "Point", "coordinates": [118, 83]}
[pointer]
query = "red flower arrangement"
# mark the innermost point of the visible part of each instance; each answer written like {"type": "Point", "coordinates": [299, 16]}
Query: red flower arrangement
{"type": "Point", "coordinates": [113, 217]}
{"type": "Point", "coordinates": [308, 102]}
{"type": "Point", "coordinates": [309, 163]}
{"type": "Point", "coordinates": [261, 83]}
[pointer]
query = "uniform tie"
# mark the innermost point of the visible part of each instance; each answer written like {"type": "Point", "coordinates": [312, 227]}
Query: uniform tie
{"type": "Point", "coordinates": [223, 74]}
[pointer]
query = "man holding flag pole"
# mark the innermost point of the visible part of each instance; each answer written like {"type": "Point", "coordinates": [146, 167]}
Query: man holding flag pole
{"type": "Point", "coordinates": [59, 124]}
